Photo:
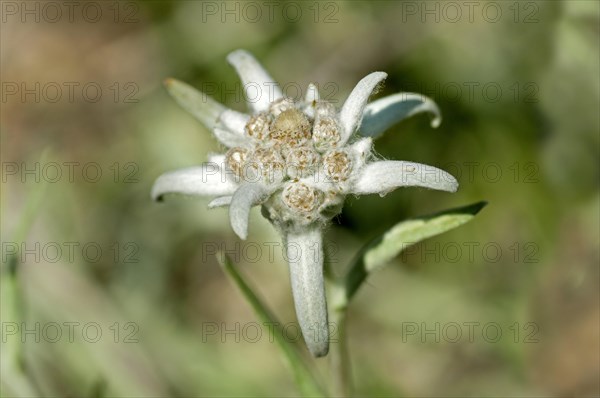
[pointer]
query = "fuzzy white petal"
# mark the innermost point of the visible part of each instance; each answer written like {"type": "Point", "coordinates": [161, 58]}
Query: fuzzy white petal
{"type": "Point", "coordinates": [248, 195]}
{"type": "Point", "coordinates": [233, 121]}
{"type": "Point", "coordinates": [205, 180]}
{"type": "Point", "coordinates": [385, 176]}
{"type": "Point", "coordinates": [230, 139]}
{"type": "Point", "coordinates": [221, 201]}
{"type": "Point", "coordinates": [200, 105]}
{"type": "Point", "coordinates": [259, 86]}
{"type": "Point", "coordinates": [362, 147]}
{"type": "Point", "coordinates": [381, 114]}
{"type": "Point", "coordinates": [352, 110]}
{"type": "Point", "coordinates": [312, 93]}
{"type": "Point", "coordinates": [305, 256]}
{"type": "Point", "coordinates": [217, 158]}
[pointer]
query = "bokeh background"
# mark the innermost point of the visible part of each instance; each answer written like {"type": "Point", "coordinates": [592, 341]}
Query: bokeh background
{"type": "Point", "coordinates": [519, 91]}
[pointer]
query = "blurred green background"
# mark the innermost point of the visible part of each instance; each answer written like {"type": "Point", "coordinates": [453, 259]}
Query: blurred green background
{"type": "Point", "coordinates": [518, 86]}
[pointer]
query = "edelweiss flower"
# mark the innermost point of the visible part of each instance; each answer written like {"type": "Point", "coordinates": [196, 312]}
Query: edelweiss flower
{"type": "Point", "coordinates": [298, 160]}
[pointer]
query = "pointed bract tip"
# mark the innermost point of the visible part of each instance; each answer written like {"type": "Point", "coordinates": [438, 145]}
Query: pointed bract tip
{"type": "Point", "coordinates": [318, 349]}
{"type": "Point", "coordinates": [242, 234]}
{"type": "Point", "coordinates": [169, 81]}
{"type": "Point", "coordinates": [453, 184]}
{"type": "Point", "coordinates": [435, 123]}
{"type": "Point", "coordinates": [155, 194]}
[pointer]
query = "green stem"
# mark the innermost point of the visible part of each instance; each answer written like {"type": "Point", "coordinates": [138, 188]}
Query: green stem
{"type": "Point", "coordinates": [339, 356]}
{"type": "Point", "coordinates": [338, 299]}
{"type": "Point", "coordinates": [340, 359]}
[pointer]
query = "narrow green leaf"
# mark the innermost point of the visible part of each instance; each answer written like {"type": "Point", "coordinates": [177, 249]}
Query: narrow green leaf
{"type": "Point", "coordinates": [305, 379]}
{"type": "Point", "coordinates": [381, 250]}
{"type": "Point", "coordinates": [199, 104]}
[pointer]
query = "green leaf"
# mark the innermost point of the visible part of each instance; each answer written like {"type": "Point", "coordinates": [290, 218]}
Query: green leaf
{"type": "Point", "coordinates": [377, 253]}
{"type": "Point", "coordinates": [199, 104]}
{"type": "Point", "coordinates": [305, 379]}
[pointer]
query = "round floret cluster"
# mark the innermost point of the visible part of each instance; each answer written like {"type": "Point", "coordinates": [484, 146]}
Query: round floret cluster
{"type": "Point", "coordinates": [295, 150]}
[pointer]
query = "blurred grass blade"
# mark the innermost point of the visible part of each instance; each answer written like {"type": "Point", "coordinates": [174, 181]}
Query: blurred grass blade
{"type": "Point", "coordinates": [303, 375]}
{"type": "Point", "coordinates": [199, 104]}
{"type": "Point", "coordinates": [30, 211]}
{"type": "Point", "coordinates": [381, 250]}
{"type": "Point", "coordinates": [15, 381]}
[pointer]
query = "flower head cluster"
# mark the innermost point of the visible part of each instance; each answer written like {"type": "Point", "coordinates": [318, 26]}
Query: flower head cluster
{"type": "Point", "coordinates": [293, 151]}
{"type": "Point", "coordinates": [298, 160]}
